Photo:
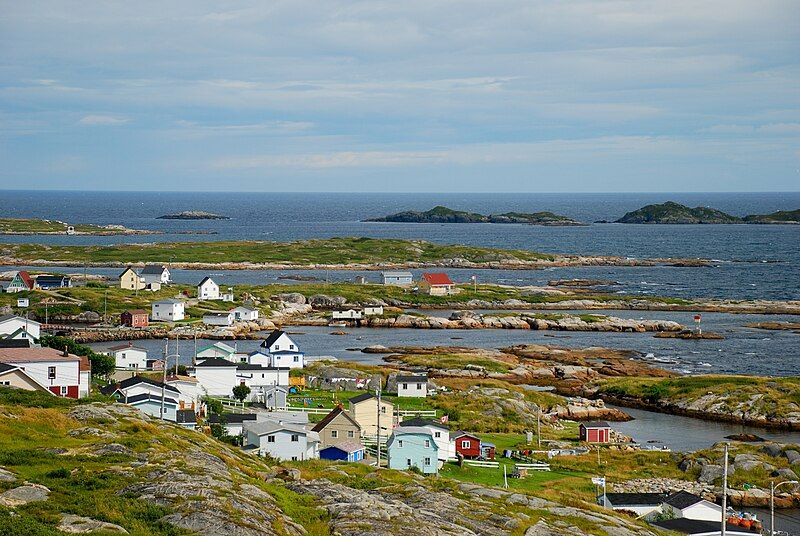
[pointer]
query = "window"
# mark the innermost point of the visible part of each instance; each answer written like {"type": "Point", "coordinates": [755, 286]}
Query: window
{"type": "Point", "coordinates": [419, 387]}
{"type": "Point", "coordinates": [437, 435]}
{"type": "Point", "coordinates": [351, 434]}
{"type": "Point", "coordinates": [297, 359]}
{"type": "Point", "coordinates": [294, 458]}
{"type": "Point", "coordinates": [7, 382]}
{"type": "Point", "coordinates": [291, 347]}
{"type": "Point", "coordinates": [400, 443]}
{"type": "Point", "coordinates": [63, 390]}
{"type": "Point", "coordinates": [427, 443]}
{"type": "Point", "coordinates": [123, 355]}
{"type": "Point", "coordinates": [465, 444]}
{"type": "Point", "coordinates": [295, 438]}
{"type": "Point", "coordinates": [277, 346]}
{"type": "Point", "coordinates": [334, 434]}
{"type": "Point", "coordinates": [427, 461]}
{"type": "Point", "coordinates": [51, 373]}
{"type": "Point", "coordinates": [408, 462]}
{"type": "Point", "coordinates": [271, 439]}
{"type": "Point", "coordinates": [383, 409]}
{"type": "Point", "coordinates": [24, 334]}
{"type": "Point", "coordinates": [405, 386]}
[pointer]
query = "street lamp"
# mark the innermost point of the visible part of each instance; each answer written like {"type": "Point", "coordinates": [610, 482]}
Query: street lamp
{"type": "Point", "coordinates": [772, 488]}
{"type": "Point", "coordinates": [164, 381]}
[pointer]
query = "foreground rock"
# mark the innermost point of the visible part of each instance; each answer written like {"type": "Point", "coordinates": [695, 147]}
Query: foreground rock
{"type": "Point", "coordinates": [83, 525]}
{"type": "Point", "coordinates": [27, 493]}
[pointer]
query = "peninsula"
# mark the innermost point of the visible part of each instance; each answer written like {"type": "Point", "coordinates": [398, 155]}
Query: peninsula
{"type": "Point", "coordinates": [193, 215]}
{"type": "Point", "coordinates": [30, 226]}
{"type": "Point", "coordinates": [442, 214]}
{"type": "Point", "coordinates": [675, 213]}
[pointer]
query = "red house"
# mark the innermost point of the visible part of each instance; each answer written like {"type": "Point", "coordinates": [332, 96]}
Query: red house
{"type": "Point", "coordinates": [135, 318]}
{"type": "Point", "coordinates": [595, 432]}
{"type": "Point", "coordinates": [467, 445]}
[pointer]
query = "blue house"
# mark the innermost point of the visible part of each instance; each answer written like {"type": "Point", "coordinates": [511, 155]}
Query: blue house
{"type": "Point", "coordinates": [151, 405]}
{"type": "Point", "coordinates": [413, 446]}
{"type": "Point", "coordinates": [347, 451]}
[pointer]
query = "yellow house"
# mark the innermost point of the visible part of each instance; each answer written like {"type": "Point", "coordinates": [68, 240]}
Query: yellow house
{"type": "Point", "coordinates": [364, 410]}
{"type": "Point", "coordinates": [11, 376]}
{"type": "Point", "coordinates": [130, 280]}
{"type": "Point", "coordinates": [437, 284]}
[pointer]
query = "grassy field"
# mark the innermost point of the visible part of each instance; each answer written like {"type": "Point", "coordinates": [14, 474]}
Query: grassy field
{"type": "Point", "coordinates": [307, 252]}
{"type": "Point", "coordinates": [31, 226]}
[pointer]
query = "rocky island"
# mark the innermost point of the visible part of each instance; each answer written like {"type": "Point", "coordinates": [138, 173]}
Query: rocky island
{"type": "Point", "coordinates": [442, 214]}
{"type": "Point", "coordinates": [675, 213]}
{"type": "Point", "coordinates": [193, 215]}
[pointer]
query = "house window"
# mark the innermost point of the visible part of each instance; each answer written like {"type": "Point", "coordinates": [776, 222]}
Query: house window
{"type": "Point", "coordinates": [465, 444]}
{"type": "Point", "coordinates": [271, 439]}
{"type": "Point", "coordinates": [24, 334]}
{"type": "Point", "coordinates": [405, 386]}
{"type": "Point", "coordinates": [334, 434]}
{"type": "Point", "coordinates": [63, 390]}
{"type": "Point", "coordinates": [408, 462]}
{"type": "Point", "coordinates": [427, 461]}
{"type": "Point", "coordinates": [296, 359]}
{"type": "Point", "coordinates": [427, 443]}
{"type": "Point", "coordinates": [295, 438]}
{"type": "Point", "coordinates": [437, 435]}
{"type": "Point", "coordinates": [350, 434]}
{"type": "Point", "coordinates": [51, 373]}
{"type": "Point", "coordinates": [400, 443]}
{"type": "Point", "coordinates": [7, 382]}
{"type": "Point", "coordinates": [277, 346]}
{"type": "Point", "coordinates": [294, 458]}
{"type": "Point", "coordinates": [419, 387]}
{"type": "Point", "coordinates": [383, 409]}
{"type": "Point", "coordinates": [291, 347]}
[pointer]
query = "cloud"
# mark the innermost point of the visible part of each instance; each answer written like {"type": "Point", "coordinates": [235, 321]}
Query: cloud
{"type": "Point", "coordinates": [102, 120]}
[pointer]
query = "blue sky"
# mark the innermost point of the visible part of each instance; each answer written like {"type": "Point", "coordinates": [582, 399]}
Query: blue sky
{"type": "Point", "coordinates": [558, 96]}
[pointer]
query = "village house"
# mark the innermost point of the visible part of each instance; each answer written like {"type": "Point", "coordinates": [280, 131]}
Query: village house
{"type": "Point", "coordinates": [690, 506]}
{"type": "Point", "coordinates": [155, 273]}
{"type": "Point", "coordinates": [13, 376]}
{"type": "Point", "coordinates": [232, 422]}
{"type": "Point", "coordinates": [364, 410]}
{"type": "Point", "coordinates": [347, 314]}
{"type": "Point", "coordinates": [641, 504]}
{"type": "Point", "coordinates": [169, 310]}
{"type": "Point", "coordinates": [282, 351]}
{"type": "Point", "coordinates": [21, 282]}
{"type": "Point", "coordinates": [440, 433]}
{"type": "Point", "coordinates": [47, 282]}
{"type": "Point", "coordinates": [260, 379]}
{"type": "Point", "coordinates": [134, 318]}
{"type": "Point", "coordinates": [336, 427]}
{"type": "Point", "coordinates": [595, 432]}
{"type": "Point", "coordinates": [218, 349]}
{"type": "Point", "coordinates": [398, 279]}
{"type": "Point", "coordinates": [130, 280]}
{"type": "Point", "coordinates": [189, 390]}
{"type": "Point", "coordinates": [281, 440]}
{"type": "Point", "coordinates": [150, 404]}
{"type": "Point", "coordinates": [218, 319]}
{"type": "Point", "coordinates": [437, 284]}
{"type": "Point", "coordinates": [245, 314]}
{"type": "Point", "coordinates": [155, 364]}
{"type": "Point", "coordinates": [56, 370]}
{"type": "Point", "coordinates": [186, 418]}
{"type": "Point", "coordinates": [373, 310]}
{"type": "Point", "coordinates": [207, 289]}
{"type": "Point", "coordinates": [137, 385]}
{"type": "Point", "coordinates": [414, 386]}
{"type": "Point", "coordinates": [17, 327]}
{"type": "Point", "coordinates": [346, 451]}
{"type": "Point", "coordinates": [275, 397]}
{"type": "Point", "coordinates": [128, 356]}
{"type": "Point", "coordinates": [467, 445]}
{"type": "Point", "coordinates": [412, 446]}
{"type": "Point", "coordinates": [216, 376]}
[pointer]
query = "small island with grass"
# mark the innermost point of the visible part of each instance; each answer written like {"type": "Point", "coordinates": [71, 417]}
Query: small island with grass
{"type": "Point", "coordinates": [442, 214]}
{"type": "Point", "coordinates": [31, 226]}
{"type": "Point", "coordinates": [193, 215]}
{"type": "Point", "coordinates": [675, 213]}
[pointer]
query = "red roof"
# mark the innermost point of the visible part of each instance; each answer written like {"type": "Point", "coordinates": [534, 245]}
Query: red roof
{"type": "Point", "coordinates": [26, 277]}
{"type": "Point", "coordinates": [31, 355]}
{"type": "Point", "coordinates": [437, 278]}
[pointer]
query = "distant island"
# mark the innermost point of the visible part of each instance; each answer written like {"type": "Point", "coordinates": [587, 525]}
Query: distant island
{"type": "Point", "coordinates": [442, 214]}
{"type": "Point", "coordinates": [675, 213]}
{"type": "Point", "coordinates": [29, 226]}
{"type": "Point", "coordinates": [193, 215]}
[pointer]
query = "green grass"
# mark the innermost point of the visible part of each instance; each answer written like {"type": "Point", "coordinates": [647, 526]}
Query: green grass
{"type": "Point", "coordinates": [32, 226]}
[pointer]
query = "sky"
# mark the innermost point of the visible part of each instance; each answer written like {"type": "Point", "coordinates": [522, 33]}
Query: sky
{"type": "Point", "coordinates": [409, 96]}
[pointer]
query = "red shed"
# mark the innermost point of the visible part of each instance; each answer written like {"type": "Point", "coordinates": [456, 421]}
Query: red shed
{"type": "Point", "coordinates": [595, 432]}
{"type": "Point", "coordinates": [135, 318]}
{"type": "Point", "coordinates": [467, 445]}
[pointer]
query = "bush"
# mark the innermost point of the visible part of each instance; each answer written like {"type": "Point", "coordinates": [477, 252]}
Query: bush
{"type": "Point", "coordinates": [61, 472]}
{"type": "Point", "coordinates": [102, 364]}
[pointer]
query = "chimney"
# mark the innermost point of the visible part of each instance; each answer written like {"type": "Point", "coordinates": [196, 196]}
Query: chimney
{"type": "Point", "coordinates": [65, 353]}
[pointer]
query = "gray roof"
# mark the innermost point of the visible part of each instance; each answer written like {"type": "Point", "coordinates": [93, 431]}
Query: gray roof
{"type": "Point", "coordinates": [232, 418]}
{"type": "Point", "coordinates": [215, 362]}
{"type": "Point", "coordinates": [595, 424]}
{"type": "Point", "coordinates": [346, 446]}
{"type": "Point", "coordinates": [397, 274]}
{"type": "Point", "coordinates": [144, 397]}
{"type": "Point", "coordinates": [694, 526]}
{"type": "Point", "coordinates": [412, 379]}
{"type": "Point", "coordinates": [270, 426]}
{"type": "Point", "coordinates": [169, 301]}
{"type": "Point", "coordinates": [683, 499]}
{"type": "Point", "coordinates": [156, 269]}
{"type": "Point", "coordinates": [635, 499]}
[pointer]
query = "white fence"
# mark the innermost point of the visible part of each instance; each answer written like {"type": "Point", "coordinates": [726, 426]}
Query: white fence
{"type": "Point", "coordinates": [482, 463]}
{"type": "Point", "coordinates": [427, 413]}
{"type": "Point", "coordinates": [533, 466]}
{"type": "Point", "coordinates": [301, 409]}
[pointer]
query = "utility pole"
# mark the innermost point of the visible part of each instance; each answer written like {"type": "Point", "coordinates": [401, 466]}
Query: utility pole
{"type": "Point", "coordinates": [539, 427]}
{"type": "Point", "coordinates": [105, 307]}
{"type": "Point", "coordinates": [725, 492]}
{"type": "Point", "coordinates": [177, 353]}
{"type": "Point", "coordinates": [378, 395]}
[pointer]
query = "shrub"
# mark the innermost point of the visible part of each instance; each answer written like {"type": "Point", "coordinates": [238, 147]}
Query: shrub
{"type": "Point", "coordinates": [61, 472]}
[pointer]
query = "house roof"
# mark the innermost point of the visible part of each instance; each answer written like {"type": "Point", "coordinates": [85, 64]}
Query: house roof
{"type": "Point", "coordinates": [274, 336]}
{"type": "Point", "coordinates": [153, 269]}
{"type": "Point", "coordinates": [185, 416]}
{"type": "Point", "coordinates": [170, 301]}
{"type": "Point", "coordinates": [145, 397]}
{"type": "Point", "coordinates": [206, 278]}
{"type": "Point", "coordinates": [135, 380]}
{"type": "Point", "coordinates": [135, 312]}
{"type": "Point", "coordinates": [6, 318]}
{"type": "Point", "coordinates": [15, 343]}
{"type": "Point", "coordinates": [595, 424]}
{"type": "Point", "coordinates": [418, 421]}
{"type": "Point", "coordinates": [4, 367]}
{"type": "Point", "coordinates": [51, 278]}
{"type": "Point", "coordinates": [397, 274]}
{"type": "Point", "coordinates": [412, 379]}
{"type": "Point", "coordinates": [683, 499]}
{"type": "Point", "coordinates": [327, 419]}
{"type": "Point", "coordinates": [364, 396]}
{"type": "Point", "coordinates": [232, 418]}
{"type": "Point", "coordinates": [694, 526]}
{"type": "Point", "coordinates": [268, 427]}
{"type": "Point", "coordinates": [346, 446]}
{"type": "Point", "coordinates": [128, 346]}
{"type": "Point", "coordinates": [437, 278]}
{"type": "Point", "coordinates": [217, 315]}
{"type": "Point", "coordinates": [126, 270]}
{"type": "Point", "coordinates": [245, 308]}
{"type": "Point", "coordinates": [248, 366]}
{"type": "Point", "coordinates": [221, 345]}
{"type": "Point", "coordinates": [35, 354]}
{"type": "Point", "coordinates": [460, 433]}
{"type": "Point", "coordinates": [215, 362]}
{"type": "Point", "coordinates": [26, 278]}
{"type": "Point", "coordinates": [636, 499]}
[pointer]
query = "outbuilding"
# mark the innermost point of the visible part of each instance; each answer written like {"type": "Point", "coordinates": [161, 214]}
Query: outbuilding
{"type": "Point", "coordinates": [207, 289]}
{"type": "Point", "coordinates": [134, 318]}
{"type": "Point", "coordinates": [595, 432]}
{"type": "Point", "coordinates": [467, 445]}
{"type": "Point", "coordinates": [398, 279]}
{"type": "Point", "coordinates": [414, 386]}
{"type": "Point", "coordinates": [218, 319]}
{"type": "Point", "coordinates": [347, 451]}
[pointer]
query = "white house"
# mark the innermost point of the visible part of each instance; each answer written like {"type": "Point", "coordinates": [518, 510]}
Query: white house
{"type": "Point", "coordinates": [641, 504]}
{"type": "Point", "coordinates": [373, 310]}
{"type": "Point", "coordinates": [283, 441]}
{"type": "Point", "coordinates": [690, 506]}
{"type": "Point", "coordinates": [218, 319]}
{"type": "Point", "coordinates": [415, 386]}
{"type": "Point", "coordinates": [347, 314]}
{"type": "Point", "coordinates": [257, 376]}
{"type": "Point", "coordinates": [216, 377]}
{"type": "Point", "coordinates": [189, 390]}
{"type": "Point", "coordinates": [232, 422]}
{"type": "Point", "coordinates": [245, 314]}
{"type": "Point", "coordinates": [137, 385]}
{"type": "Point", "coordinates": [58, 371]}
{"type": "Point", "coordinates": [169, 310]}
{"type": "Point", "coordinates": [128, 356]}
{"type": "Point", "coordinates": [218, 349]}
{"type": "Point", "coordinates": [275, 397]}
{"type": "Point", "coordinates": [207, 289]}
{"type": "Point", "coordinates": [13, 376]}
{"type": "Point", "coordinates": [399, 279]}
{"type": "Point", "coordinates": [150, 404]}
{"type": "Point", "coordinates": [155, 273]}
{"type": "Point", "coordinates": [21, 282]}
{"type": "Point", "coordinates": [282, 350]}
{"type": "Point", "coordinates": [17, 327]}
{"type": "Point", "coordinates": [441, 436]}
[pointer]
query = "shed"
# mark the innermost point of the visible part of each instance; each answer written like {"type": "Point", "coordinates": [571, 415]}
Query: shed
{"type": "Point", "coordinates": [467, 445]}
{"type": "Point", "coordinates": [348, 451]}
{"type": "Point", "coordinates": [595, 432]}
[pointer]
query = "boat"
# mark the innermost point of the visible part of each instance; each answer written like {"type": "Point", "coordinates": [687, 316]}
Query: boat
{"type": "Point", "coordinates": [337, 325]}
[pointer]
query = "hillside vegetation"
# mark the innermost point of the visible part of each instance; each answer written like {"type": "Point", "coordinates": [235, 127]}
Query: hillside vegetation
{"type": "Point", "coordinates": [442, 214]}
{"type": "Point", "coordinates": [675, 213]}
